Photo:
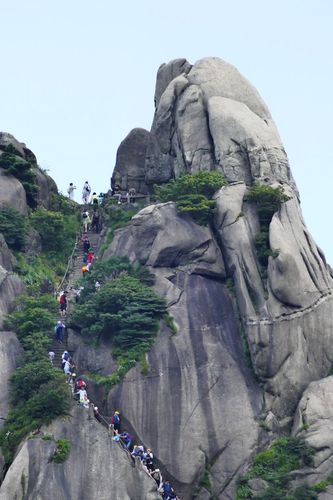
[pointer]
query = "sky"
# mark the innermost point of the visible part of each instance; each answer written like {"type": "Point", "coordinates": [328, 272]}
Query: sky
{"type": "Point", "coordinates": [77, 76]}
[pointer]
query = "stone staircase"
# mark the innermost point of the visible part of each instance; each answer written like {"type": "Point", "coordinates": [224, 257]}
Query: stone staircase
{"type": "Point", "coordinates": [73, 277]}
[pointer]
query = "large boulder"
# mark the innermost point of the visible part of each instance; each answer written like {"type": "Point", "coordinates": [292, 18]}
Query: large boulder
{"type": "Point", "coordinates": [97, 467]}
{"type": "Point", "coordinates": [129, 171]}
{"type": "Point", "coordinates": [12, 193]}
{"type": "Point", "coordinates": [46, 188]}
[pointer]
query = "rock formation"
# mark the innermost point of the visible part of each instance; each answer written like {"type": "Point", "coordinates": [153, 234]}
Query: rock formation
{"type": "Point", "coordinates": [97, 467]}
{"type": "Point", "coordinates": [12, 191]}
{"type": "Point", "coordinates": [250, 337]}
{"type": "Point", "coordinates": [314, 421]}
{"type": "Point", "coordinates": [13, 194]}
{"type": "Point", "coordinates": [209, 117]}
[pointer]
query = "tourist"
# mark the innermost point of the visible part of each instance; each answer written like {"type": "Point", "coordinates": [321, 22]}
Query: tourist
{"type": "Point", "coordinates": [126, 439]}
{"type": "Point", "coordinates": [70, 191]}
{"type": "Point", "coordinates": [97, 415]}
{"type": "Point", "coordinates": [51, 356]}
{"type": "Point", "coordinates": [157, 476]}
{"type": "Point", "coordinates": [86, 221]}
{"type": "Point", "coordinates": [63, 303]}
{"type": "Point", "coordinates": [94, 200]}
{"type": "Point", "coordinates": [86, 243]}
{"type": "Point", "coordinates": [86, 192]}
{"type": "Point", "coordinates": [115, 421]}
{"type": "Point", "coordinates": [60, 331]}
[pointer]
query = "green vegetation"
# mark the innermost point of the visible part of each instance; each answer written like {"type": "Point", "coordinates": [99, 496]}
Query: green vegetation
{"type": "Point", "coordinates": [125, 311]}
{"type": "Point", "coordinates": [13, 164]}
{"type": "Point", "coordinates": [205, 481]}
{"type": "Point", "coordinates": [38, 391]}
{"type": "Point", "coordinates": [23, 484]}
{"type": "Point", "coordinates": [57, 231]}
{"type": "Point", "coordinates": [39, 273]}
{"type": "Point", "coordinates": [274, 465]}
{"type": "Point", "coordinates": [168, 320]}
{"type": "Point", "coordinates": [33, 314]}
{"type": "Point", "coordinates": [268, 201]}
{"type": "Point", "coordinates": [62, 451]}
{"type": "Point", "coordinates": [323, 485]}
{"type": "Point", "coordinates": [13, 227]}
{"type": "Point", "coordinates": [193, 194]}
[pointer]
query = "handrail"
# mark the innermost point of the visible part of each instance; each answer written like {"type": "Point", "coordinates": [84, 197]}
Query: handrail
{"type": "Point", "coordinates": [69, 263]}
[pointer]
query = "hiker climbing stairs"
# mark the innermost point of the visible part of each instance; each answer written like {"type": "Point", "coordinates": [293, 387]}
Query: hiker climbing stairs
{"type": "Point", "coordinates": [73, 276]}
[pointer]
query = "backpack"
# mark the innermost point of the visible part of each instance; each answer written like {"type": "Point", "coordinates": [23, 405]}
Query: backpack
{"type": "Point", "coordinates": [62, 299]}
{"type": "Point", "coordinates": [84, 215]}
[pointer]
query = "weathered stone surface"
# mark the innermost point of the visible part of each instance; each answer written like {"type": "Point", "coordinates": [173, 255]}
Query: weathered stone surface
{"type": "Point", "coordinates": [11, 190]}
{"type": "Point", "coordinates": [10, 350]}
{"type": "Point", "coordinates": [195, 386]}
{"type": "Point", "coordinates": [167, 72]}
{"type": "Point", "coordinates": [7, 139]}
{"type": "Point", "coordinates": [12, 193]}
{"type": "Point", "coordinates": [129, 171]}
{"type": "Point", "coordinates": [326, 495]}
{"type": "Point", "coordinates": [10, 287]}
{"type": "Point", "coordinates": [88, 358]}
{"type": "Point", "coordinates": [159, 237]}
{"type": "Point", "coordinates": [96, 468]}
{"type": "Point", "coordinates": [5, 255]}
{"type": "Point", "coordinates": [209, 117]}
{"type": "Point", "coordinates": [314, 422]}
{"type": "Point", "coordinates": [46, 187]}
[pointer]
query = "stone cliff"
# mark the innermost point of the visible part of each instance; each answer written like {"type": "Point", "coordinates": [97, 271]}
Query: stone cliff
{"type": "Point", "coordinates": [251, 337]}
{"type": "Point", "coordinates": [97, 467]}
{"type": "Point", "coordinates": [208, 117]}
{"type": "Point", "coordinates": [13, 194]}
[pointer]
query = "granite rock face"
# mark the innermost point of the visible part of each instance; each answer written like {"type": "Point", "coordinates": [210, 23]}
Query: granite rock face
{"type": "Point", "coordinates": [314, 422]}
{"type": "Point", "coordinates": [199, 383]}
{"type": "Point", "coordinates": [10, 287]}
{"type": "Point", "coordinates": [11, 190]}
{"type": "Point", "coordinates": [209, 117]}
{"type": "Point", "coordinates": [10, 350]}
{"type": "Point", "coordinates": [97, 467]}
{"type": "Point", "coordinates": [12, 193]}
{"type": "Point", "coordinates": [129, 171]}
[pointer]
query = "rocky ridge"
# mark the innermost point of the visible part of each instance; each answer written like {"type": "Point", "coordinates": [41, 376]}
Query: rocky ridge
{"type": "Point", "coordinates": [97, 467]}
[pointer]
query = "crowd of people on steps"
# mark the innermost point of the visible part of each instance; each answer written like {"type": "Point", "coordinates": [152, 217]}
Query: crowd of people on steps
{"type": "Point", "coordinates": [137, 451]}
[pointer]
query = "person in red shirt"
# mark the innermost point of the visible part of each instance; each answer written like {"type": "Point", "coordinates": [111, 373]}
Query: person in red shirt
{"type": "Point", "coordinates": [90, 257]}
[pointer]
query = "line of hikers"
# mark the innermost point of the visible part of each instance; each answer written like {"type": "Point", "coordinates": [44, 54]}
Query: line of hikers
{"type": "Point", "coordinates": [91, 221]}
{"type": "Point", "coordinates": [145, 455]}
{"type": "Point", "coordinates": [86, 194]}
{"type": "Point", "coordinates": [79, 390]}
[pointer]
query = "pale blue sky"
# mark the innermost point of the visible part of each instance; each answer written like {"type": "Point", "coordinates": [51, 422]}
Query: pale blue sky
{"type": "Point", "coordinates": [77, 76]}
